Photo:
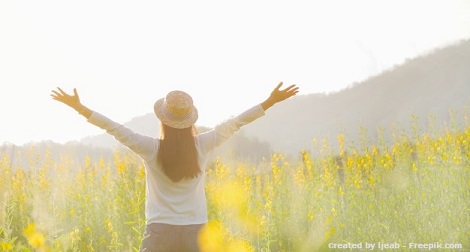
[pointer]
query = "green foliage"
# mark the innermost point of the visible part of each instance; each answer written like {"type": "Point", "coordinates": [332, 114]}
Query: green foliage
{"type": "Point", "coordinates": [63, 206]}
{"type": "Point", "coordinates": [405, 192]}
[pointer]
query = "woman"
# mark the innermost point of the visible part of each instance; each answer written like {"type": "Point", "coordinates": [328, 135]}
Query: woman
{"type": "Point", "coordinates": [175, 163]}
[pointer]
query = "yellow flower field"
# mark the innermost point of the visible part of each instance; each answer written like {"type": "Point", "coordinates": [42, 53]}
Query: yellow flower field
{"type": "Point", "coordinates": [407, 192]}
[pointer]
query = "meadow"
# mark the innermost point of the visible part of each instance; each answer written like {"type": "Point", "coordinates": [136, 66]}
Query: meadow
{"type": "Point", "coordinates": [412, 192]}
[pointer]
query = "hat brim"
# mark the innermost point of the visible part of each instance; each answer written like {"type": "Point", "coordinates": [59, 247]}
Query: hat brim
{"type": "Point", "coordinates": [171, 120]}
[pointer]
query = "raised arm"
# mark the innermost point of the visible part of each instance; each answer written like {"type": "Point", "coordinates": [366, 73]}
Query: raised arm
{"type": "Point", "coordinates": [144, 146]}
{"type": "Point", "coordinates": [223, 131]}
{"type": "Point", "coordinates": [278, 95]}
{"type": "Point", "coordinates": [72, 101]}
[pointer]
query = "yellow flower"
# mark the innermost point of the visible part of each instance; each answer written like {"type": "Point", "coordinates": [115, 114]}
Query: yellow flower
{"type": "Point", "coordinates": [211, 237]}
{"type": "Point", "coordinates": [341, 191]}
{"type": "Point", "coordinates": [37, 240]}
{"type": "Point", "coordinates": [333, 211]}
{"type": "Point", "coordinates": [29, 230]}
{"type": "Point", "coordinates": [239, 246]}
{"type": "Point", "coordinates": [6, 246]}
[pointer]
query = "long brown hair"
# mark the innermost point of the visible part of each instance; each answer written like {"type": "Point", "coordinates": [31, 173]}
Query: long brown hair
{"type": "Point", "coordinates": [177, 154]}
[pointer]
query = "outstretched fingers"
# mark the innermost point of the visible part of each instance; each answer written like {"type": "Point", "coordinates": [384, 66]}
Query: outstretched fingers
{"type": "Point", "coordinates": [62, 91]}
{"type": "Point", "coordinates": [61, 96]}
{"type": "Point", "coordinates": [278, 86]}
{"type": "Point", "coordinates": [291, 90]}
{"type": "Point", "coordinates": [56, 95]}
{"type": "Point", "coordinates": [278, 95]}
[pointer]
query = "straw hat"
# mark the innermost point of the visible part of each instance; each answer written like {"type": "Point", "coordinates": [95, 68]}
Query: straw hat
{"type": "Point", "coordinates": [176, 110]}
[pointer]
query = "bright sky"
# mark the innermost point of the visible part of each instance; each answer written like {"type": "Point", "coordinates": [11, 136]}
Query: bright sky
{"type": "Point", "coordinates": [123, 55]}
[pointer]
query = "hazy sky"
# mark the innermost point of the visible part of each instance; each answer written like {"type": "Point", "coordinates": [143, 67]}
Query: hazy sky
{"type": "Point", "coordinates": [123, 55]}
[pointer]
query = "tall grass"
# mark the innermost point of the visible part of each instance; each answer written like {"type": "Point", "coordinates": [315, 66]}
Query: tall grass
{"type": "Point", "coordinates": [62, 206]}
{"type": "Point", "coordinates": [405, 192]}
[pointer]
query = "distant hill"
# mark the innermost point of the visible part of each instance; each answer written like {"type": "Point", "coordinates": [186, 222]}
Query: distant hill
{"type": "Point", "coordinates": [429, 86]}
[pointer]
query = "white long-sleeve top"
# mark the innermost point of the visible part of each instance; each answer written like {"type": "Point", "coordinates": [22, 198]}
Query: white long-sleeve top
{"type": "Point", "coordinates": [183, 202]}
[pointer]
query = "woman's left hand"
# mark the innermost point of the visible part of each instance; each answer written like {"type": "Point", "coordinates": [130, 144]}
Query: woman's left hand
{"type": "Point", "coordinates": [69, 100]}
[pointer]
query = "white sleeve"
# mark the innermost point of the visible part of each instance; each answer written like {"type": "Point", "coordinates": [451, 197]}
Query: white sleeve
{"type": "Point", "coordinates": [144, 146]}
{"type": "Point", "coordinates": [223, 131]}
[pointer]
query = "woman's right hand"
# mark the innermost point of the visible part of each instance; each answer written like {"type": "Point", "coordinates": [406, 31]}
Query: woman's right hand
{"type": "Point", "coordinates": [72, 101]}
{"type": "Point", "coordinates": [69, 100]}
